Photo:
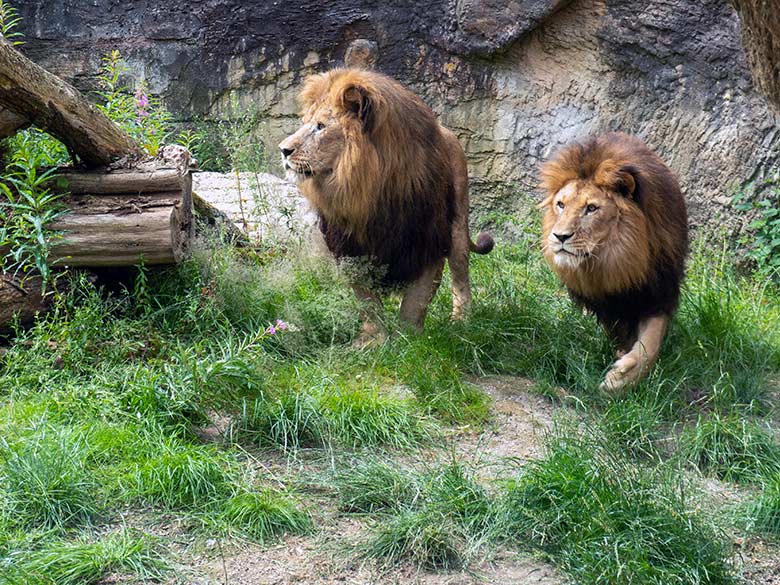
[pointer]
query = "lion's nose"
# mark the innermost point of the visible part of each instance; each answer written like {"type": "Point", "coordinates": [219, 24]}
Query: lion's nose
{"type": "Point", "coordinates": [286, 151]}
{"type": "Point", "coordinates": [562, 237]}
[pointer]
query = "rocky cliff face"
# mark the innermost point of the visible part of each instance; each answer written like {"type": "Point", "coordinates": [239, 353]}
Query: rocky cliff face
{"type": "Point", "coordinates": [514, 79]}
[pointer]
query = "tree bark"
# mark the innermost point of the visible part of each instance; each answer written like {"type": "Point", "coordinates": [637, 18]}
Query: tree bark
{"type": "Point", "coordinates": [20, 299]}
{"type": "Point", "coordinates": [760, 24]}
{"type": "Point", "coordinates": [10, 123]}
{"type": "Point", "coordinates": [32, 93]}
{"type": "Point", "coordinates": [123, 218]}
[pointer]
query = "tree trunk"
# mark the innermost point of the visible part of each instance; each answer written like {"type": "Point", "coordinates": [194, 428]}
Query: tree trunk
{"type": "Point", "coordinates": [760, 24]}
{"type": "Point", "coordinates": [32, 93]}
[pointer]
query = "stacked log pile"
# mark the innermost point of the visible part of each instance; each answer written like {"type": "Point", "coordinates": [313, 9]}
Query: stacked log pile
{"type": "Point", "coordinates": [121, 206]}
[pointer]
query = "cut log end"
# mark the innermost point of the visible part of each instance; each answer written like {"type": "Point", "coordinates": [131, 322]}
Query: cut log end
{"type": "Point", "coordinates": [20, 299]}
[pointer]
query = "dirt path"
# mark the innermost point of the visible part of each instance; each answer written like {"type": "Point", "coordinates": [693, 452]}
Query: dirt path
{"type": "Point", "coordinates": [515, 434]}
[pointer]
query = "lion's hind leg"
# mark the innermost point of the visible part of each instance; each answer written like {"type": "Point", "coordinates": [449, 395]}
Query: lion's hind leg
{"type": "Point", "coordinates": [635, 364]}
{"type": "Point", "coordinates": [419, 295]}
{"type": "Point", "coordinates": [458, 261]}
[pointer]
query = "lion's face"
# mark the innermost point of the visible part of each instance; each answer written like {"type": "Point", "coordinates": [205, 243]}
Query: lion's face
{"type": "Point", "coordinates": [315, 148]}
{"type": "Point", "coordinates": [337, 116]}
{"type": "Point", "coordinates": [579, 222]}
{"type": "Point", "coordinates": [595, 234]}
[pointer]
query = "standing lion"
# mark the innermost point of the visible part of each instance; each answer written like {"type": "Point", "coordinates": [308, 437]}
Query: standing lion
{"type": "Point", "coordinates": [615, 231]}
{"type": "Point", "coordinates": [389, 184]}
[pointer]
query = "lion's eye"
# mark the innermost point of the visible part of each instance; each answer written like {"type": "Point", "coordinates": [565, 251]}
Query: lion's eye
{"type": "Point", "coordinates": [591, 208]}
{"type": "Point", "coordinates": [320, 126]}
{"type": "Point", "coordinates": [559, 205]}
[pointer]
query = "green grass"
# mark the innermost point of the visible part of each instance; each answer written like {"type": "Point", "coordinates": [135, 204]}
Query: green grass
{"type": "Point", "coordinates": [85, 561]}
{"type": "Point", "coordinates": [260, 516]}
{"type": "Point", "coordinates": [372, 485]}
{"type": "Point", "coordinates": [425, 537]}
{"type": "Point", "coordinates": [104, 405]}
{"type": "Point", "coordinates": [761, 514]}
{"type": "Point", "coordinates": [178, 476]}
{"type": "Point", "coordinates": [45, 482]}
{"type": "Point", "coordinates": [313, 406]}
{"type": "Point", "coordinates": [433, 516]}
{"type": "Point", "coordinates": [731, 448]}
{"type": "Point", "coordinates": [603, 519]}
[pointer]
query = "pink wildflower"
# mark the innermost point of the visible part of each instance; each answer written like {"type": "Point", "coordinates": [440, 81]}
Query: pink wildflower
{"type": "Point", "coordinates": [141, 103]}
{"type": "Point", "coordinates": [281, 325]}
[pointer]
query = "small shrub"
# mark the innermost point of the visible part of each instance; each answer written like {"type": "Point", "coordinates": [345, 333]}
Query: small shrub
{"type": "Point", "coordinates": [763, 238]}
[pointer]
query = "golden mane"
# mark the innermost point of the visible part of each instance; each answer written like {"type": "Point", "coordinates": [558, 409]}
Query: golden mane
{"type": "Point", "coordinates": [392, 149]}
{"type": "Point", "coordinates": [649, 239]}
{"type": "Point", "coordinates": [616, 233]}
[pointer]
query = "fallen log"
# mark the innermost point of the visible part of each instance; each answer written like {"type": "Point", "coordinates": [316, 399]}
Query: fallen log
{"type": "Point", "coordinates": [32, 93]}
{"type": "Point", "coordinates": [124, 217]}
{"type": "Point", "coordinates": [20, 299]}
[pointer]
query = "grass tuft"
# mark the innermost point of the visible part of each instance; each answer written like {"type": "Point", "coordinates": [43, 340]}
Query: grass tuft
{"type": "Point", "coordinates": [45, 480]}
{"type": "Point", "coordinates": [604, 520]}
{"type": "Point", "coordinates": [260, 516]}
{"type": "Point", "coordinates": [730, 448]}
{"type": "Point", "coordinates": [178, 475]}
{"type": "Point", "coordinates": [762, 513]}
{"type": "Point", "coordinates": [373, 485]}
{"type": "Point", "coordinates": [424, 537]}
{"type": "Point", "coordinates": [83, 562]}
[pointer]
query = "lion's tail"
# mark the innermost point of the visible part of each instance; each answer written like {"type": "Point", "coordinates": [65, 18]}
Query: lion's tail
{"type": "Point", "coordinates": [484, 243]}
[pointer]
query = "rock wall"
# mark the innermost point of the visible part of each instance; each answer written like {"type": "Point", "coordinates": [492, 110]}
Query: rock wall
{"type": "Point", "coordinates": [514, 79]}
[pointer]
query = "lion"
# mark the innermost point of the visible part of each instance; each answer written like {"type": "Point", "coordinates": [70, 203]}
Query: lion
{"type": "Point", "coordinates": [390, 185]}
{"type": "Point", "coordinates": [615, 231]}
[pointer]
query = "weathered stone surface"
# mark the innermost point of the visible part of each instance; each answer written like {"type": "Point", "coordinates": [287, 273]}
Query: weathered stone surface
{"type": "Point", "coordinates": [513, 79]}
{"type": "Point", "coordinates": [260, 204]}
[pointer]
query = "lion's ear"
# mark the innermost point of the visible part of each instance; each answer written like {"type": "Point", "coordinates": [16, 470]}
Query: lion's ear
{"type": "Point", "coordinates": [617, 177]}
{"type": "Point", "coordinates": [358, 101]}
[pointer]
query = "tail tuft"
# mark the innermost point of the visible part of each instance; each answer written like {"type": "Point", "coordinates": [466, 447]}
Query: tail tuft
{"type": "Point", "coordinates": [484, 243]}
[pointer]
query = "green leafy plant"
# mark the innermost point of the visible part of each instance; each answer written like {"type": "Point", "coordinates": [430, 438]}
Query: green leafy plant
{"type": "Point", "coordinates": [29, 207]}
{"type": "Point", "coordinates": [9, 20]}
{"type": "Point", "coordinates": [763, 239]}
{"type": "Point", "coordinates": [141, 115]}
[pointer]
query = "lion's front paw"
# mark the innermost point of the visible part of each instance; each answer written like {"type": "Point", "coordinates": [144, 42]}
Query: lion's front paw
{"type": "Point", "coordinates": [459, 313]}
{"type": "Point", "coordinates": [371, 335]}
{"type": "Point", "coordinates": [627, 370]}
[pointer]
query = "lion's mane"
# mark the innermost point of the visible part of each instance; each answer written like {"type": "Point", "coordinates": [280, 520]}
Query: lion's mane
{"type": "Point", "coordinates": [391, 194]}
{"type": "Point", "coordinates": [639, 270]}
